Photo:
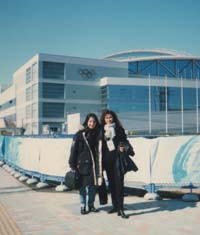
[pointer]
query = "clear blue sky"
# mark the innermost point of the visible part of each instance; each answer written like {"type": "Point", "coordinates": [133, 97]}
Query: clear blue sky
{"type": "Point", "coordinates": [93, 28]}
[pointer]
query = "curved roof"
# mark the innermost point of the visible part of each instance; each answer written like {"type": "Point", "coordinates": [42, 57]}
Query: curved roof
{"type": "Point", "coordinates": [149, 54]}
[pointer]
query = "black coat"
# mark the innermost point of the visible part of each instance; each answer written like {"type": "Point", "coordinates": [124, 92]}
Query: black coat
{"type": "Point", "coordinates": [110, 157]}
{"type": "Point", "coordinates": [86, 160]}
{"type": "Point", "coordinates": [125, 162]}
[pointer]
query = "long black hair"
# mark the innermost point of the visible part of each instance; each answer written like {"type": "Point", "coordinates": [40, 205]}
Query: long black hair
{"type": "Point", "coordinates": [91, 115]}
{"type": "Point", "coordinates": [114, 115]}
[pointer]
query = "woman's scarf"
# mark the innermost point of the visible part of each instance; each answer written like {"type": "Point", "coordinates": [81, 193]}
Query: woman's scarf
{"type": "Point", "coordinates": [109, 135]}
{"type": "Point", "coordinates": [91, 135]}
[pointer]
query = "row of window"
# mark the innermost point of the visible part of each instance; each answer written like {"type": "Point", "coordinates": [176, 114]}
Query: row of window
{"type": "Point", "coordinates": [31, 111]}
{"type": "Point", "coordinates": [55, 91]}
{"type": "Point", "coordinates": [31, 92]}
{"type": "Point", "coordinates": [53, 70]}
{"type": "Point", "coordinates": [53, 110]}
{"type": "Point", "coordinates": [32, 73]}
{"type": "Point", "coordinates": [171, 68]}
{"type": "Point", "coordinates": [129, 98]}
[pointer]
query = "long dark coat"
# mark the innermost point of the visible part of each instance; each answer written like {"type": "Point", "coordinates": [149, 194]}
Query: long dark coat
{"type": "Point", "coordinates": [113, 164]}
{"type": "Point", "coordinates": [86, 160]}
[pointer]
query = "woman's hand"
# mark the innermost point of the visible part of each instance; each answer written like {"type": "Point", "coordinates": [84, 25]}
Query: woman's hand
{"type": "Point", "coordinates": [121, 149]}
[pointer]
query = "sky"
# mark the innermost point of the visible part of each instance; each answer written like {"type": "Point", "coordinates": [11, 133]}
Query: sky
{"type": "Point", "coordinates": [93, 28]}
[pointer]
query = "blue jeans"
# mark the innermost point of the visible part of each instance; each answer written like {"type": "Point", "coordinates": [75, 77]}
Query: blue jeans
{"type": "Point", "coordinates": [91, 192]}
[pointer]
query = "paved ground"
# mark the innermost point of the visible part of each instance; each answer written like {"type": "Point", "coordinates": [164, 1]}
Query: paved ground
{"type": "Point", "coordinates": [29, 212]}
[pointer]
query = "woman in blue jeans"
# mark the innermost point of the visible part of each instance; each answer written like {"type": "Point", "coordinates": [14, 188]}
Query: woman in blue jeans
{"type": "Point", "coordinates": [85, 159]}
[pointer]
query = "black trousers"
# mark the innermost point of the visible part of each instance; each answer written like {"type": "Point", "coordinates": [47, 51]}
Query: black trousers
{"type": "Point", "coordinates": [116, 182]}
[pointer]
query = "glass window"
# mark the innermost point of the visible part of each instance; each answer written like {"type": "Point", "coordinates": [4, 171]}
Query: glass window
{"type": "Point", "coordinates": [53, 70]}
{"type": "Point", "coordinates": [133, 68]}
{"type": "Point", "coordinates": [174, 98]}
{"type": "Point", "coordinates": [53, 90]}
{"type": "Point", "coordinates": [34, 110]}
{"type": "Point", "coordinates": [29, 94]}
{"type": "Point", "coordinates": [53, 110]}
{"type": "Point", "coordinates": [189, 95]}
{"type": "Point", "coordinates": [184, 68]}
{"type": "Point", "coordinates": [188, 69]}
{"type": "Point", "coordinates": [196, 71]}
{"type": "Point", "coordinates": [135, 98]}
{"type": "Point", "coordinates": [34, 91]}
{"type": "Point", "coordinates": [28, 75]}
{"type": "Point", "coordinates": [167, 68]}
{"type": "Point", "coordinates": [158, 98]}
{"type": "Point", "coordinates": [34, 72]}
{"type": "Point", "coordinates": [126, 98]}
{"type": "Point", "coordinates": [28, 112]}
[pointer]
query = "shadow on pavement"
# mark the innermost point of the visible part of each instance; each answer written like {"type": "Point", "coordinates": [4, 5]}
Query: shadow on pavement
{"type": "Point", "coordinates": [154, 206]}
{"type": "Point", "coordinates": [12, 190]}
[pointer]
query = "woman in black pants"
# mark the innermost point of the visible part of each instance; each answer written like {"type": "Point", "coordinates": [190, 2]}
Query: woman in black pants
{"type": "Point", "coordinates": [113, 140]}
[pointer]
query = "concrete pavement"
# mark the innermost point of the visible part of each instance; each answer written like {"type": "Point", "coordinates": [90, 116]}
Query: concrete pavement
{"type": "Point", "coordinates": [26, 211]}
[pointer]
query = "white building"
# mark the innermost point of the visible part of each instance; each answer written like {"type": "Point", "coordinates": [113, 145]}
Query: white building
{"type": "Point", "coordinates": [153, 91]}
{"type": "Point", "coordinates": [48, 87]}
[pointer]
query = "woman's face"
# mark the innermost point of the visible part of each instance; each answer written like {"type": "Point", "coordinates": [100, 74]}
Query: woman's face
{"type": "Point", "coordinates": [108, 119]}
{"type": "Point", "coordinates": [91, 123]}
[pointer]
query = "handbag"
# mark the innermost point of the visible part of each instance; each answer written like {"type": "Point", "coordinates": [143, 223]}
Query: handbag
{"type": "Point", "coordinates": [128, 148]}
{"type": "Point", "coordinates": [129, 164]}
{"type": "Point", "coordinates": [126, 163]}
{"type": "Point", "coordinates": [103, 194]}
{"type": "Point", "coordinates": [72, 180]}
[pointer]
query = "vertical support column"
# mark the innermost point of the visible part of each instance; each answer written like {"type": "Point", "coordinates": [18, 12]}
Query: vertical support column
{"type": "Point", "coordinates": [151, 187]}
{"type": "Point", "coordinates": [166, 106]}
{"type": "Point", "coordinates": [149, 104]}
{"type": "Point", "coordinates": [197, 106]}
{"type": "Point", "coordinates": [182, 117]}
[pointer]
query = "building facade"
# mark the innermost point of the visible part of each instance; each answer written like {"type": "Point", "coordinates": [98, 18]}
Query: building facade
{"type": "Point", "coordinates": [48, 87]}
{"type": "Point", "coordinates": [161, 93]}
{"type": "Point", "coordinates": [153, 91]}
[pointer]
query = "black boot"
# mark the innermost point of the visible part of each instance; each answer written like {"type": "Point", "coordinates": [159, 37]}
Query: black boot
{"type": "Point", "coordinates": [83, 210]}
{"type": "Point", "coordinates": [113, 210]}
{"type": "Point", "coordinates": [122, 214]}
{"type": "Point", "coordinates": [93, 209]}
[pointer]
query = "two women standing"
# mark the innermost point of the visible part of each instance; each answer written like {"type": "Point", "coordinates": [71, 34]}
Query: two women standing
{"type": "Point", "coordinates": [95, 148]}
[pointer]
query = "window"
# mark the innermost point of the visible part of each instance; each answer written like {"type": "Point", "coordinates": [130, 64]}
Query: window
{"type": "Point", "coordinates": [34, 110]}
{"type": "Point", "coordinates": [28, 94]}
{"type": "Point", "coordinates": [28, 111]}
{"type": "Point", "coordinates": [28, 75]}
{"type": "Point", "coordinates": [53, 110]}
{"type": "Point", "coordinates": [53, 90]}
{"type": "Point", "coordinates": [34, 72]}
{"type": "Point", "coordinates": [34, 91]}
{"type": "Point", "coordinates": [52, 70]}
